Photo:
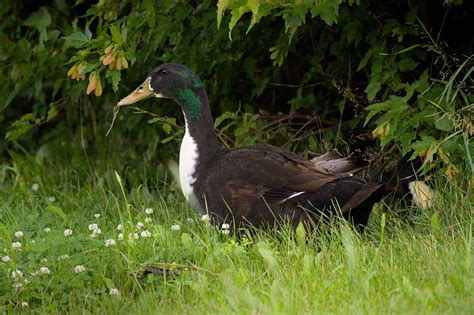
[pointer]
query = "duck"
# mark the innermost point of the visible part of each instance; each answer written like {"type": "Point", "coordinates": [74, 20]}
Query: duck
{"type": "Point", "coordinates": [257, 185]}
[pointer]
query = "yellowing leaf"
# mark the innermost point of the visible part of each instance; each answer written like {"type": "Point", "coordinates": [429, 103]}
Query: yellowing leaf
{"type": "Point", "coordinates": [221, 6]}
{"type": "Point", "coordinates": [451, 171]}
{"type": "Point", "coordinates": [382, 130]}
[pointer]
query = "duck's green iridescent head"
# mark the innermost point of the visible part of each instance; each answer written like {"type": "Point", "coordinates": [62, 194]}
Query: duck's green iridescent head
{"type": "Point", "coordinates": [173, 81]}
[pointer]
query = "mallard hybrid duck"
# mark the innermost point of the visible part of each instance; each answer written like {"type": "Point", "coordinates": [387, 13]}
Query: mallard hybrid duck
{"type": "Point", "coordinates": [255, 185]}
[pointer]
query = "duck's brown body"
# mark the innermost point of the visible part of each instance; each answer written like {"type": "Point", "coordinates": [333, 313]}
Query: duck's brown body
{"type": "Point", "coordinates": [263, 185]}
{"type": "Point", "coordinates": [255, 185]}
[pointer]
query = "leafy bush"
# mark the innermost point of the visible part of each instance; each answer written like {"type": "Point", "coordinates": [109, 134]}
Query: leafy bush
{"type": "Point", "coordinates": [301, 72]}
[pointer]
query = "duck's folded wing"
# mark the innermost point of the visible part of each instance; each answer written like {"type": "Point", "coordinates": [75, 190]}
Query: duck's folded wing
{"type": "Point", "coordinates": [264, 171]}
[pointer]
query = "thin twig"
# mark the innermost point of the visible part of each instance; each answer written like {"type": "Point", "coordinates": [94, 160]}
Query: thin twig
{"type": "Point", "coordinates": [116, 110]}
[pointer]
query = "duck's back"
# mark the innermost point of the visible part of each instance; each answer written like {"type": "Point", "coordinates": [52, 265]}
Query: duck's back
{"type": "Point", "coordinates": [262, 184]}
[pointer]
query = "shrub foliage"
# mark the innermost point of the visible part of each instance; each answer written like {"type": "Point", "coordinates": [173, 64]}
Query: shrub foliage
{"type": "Point", "coordinates": [395, 74]}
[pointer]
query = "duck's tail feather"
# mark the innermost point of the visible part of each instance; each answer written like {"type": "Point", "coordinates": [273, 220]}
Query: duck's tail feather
{"type": "Point", "coordinates": [338, 165]}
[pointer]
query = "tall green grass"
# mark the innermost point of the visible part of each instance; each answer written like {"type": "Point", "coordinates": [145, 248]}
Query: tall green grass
{"type": "Point", "coordinates": [415, 262]}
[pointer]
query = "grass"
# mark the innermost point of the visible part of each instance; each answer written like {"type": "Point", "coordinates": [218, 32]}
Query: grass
{"type": "Point", "coordinates": [420, 262]}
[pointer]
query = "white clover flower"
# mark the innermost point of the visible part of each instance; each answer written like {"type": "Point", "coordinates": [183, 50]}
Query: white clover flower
{"type": "Point", "coordinates": [145, 233]}
{"type": "Point", "coordinates": [47, 230]}
{"type": "Point", "coordinates": [148, 219]}
{"type": "Point", "coordinates": [120, 237]}
{"type": "Point", "coordinates": [119, 227]}
{"type": "Point", "coordinates": [18, 286]}
{"type": "Point", "coordinates": [225, 226]}
{"type": "Point", "coordinates": [135, 236]}
{"type": "Point", "coordinates": [109, 242]}
{"type": "Point", "coordinates": [79, 269]}
{"type": "Point", "coordinates": [67, 232]}
{"type": "Point", "coordinates": [35, 187]}
{"type": "Point", "coordinates": [140, 225]}
{"type": "Point", "coordinates": [24, 304]}
{"type": "Point", "coordinates": [16, 245]}
{"type": "Point", "coordinates": [63, 257]}
{"type": "Point", "coordinates": [175, 227]}
{"type": "Point", "coordinates": [148, 210]}
{"type": "Point", "coordinates": [97, 215]}
{"type": "Point", "coordinates": [17, 274]}
{"type": "Point", "coordinates": [51, 199]}
{"type": "Point", "coordinates": [114, 292]}
{"type": "Point", "coordinates": [205, 218]}
{"type": "Point", "coordinates": [6, 259]}
{"type": "Point", "coordinates": [97, 231]}
{"type": "Point", "coordinates": [93, 226]}
{"type": "Point", "coordinates": [225, 232]}
{"type": "Point", "coordinates": [44, 271]}
{"type": "Point", "coordinates": [18, 234]}
{"type": "Point", "coordinates": [190, 220]}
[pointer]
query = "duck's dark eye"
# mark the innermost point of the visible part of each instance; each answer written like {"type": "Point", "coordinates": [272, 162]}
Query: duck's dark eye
{"type": "Point", "coordinates": [162, 71]}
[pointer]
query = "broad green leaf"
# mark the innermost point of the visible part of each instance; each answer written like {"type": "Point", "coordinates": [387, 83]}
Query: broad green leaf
{"type": "Point", "coordinates": [444, 123]}
{"type": "Point", "coordinates": [166, 128]}
{"type": "Point", "coordinates": [76, 40]}
{"type": "Point", "coordinates": [407, 64]}
{"type": "Point", "coordinates": [364, 60]}
{"type": "Point", "coordinates": [108, 282]}
{"type": "Point", "coordinates": [116, 35]}
{"type": "Point", "coordinates": [53, 111]}
{"type": "Point", "coordinates": [423, 145]}
{"type": "Point", "coordinates": [39, 19]}
{"type": "Point", "coordinates": [113, 77]}
{"type": "Point", "coordinates": [328, 10]}
{"type": "Point", "coordinates": [372, 89]}
{"type": "Point", "coordinates": [20, 127]}
{"type": "Point", "coordinates": [224, 116]}
{"type": "Point", "coordinates": [267, 255]}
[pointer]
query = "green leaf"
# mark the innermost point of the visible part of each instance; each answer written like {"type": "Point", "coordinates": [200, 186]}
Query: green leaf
{"type": "Point", "coordinates": [58, 211]}
{"type": "Point", "coordinates": [301, 234]}
{"type": "Point", "coordinates": [328, 10]}
{"type": "Point", "coordinates": [116, 35]}
{"type": "Point", "coordinates": [224, 116]}
{"type": "Point", "coordinates": [187, 240]}
{"type": "Point", "coordinates": [422, 145]}
{"type": "Point", "coordinates": [166, 128]}
{"type": "Point", "coordinates": [221, 6]}
{"type": "Point", "coordinates": [77, 40]}
{"type": "Point", "coordinates": [444, 123]}
{"type": "Point", "coordinates": [267, 255]}
{"type": "Point", "coordinates": [113, 77]}
{"type": "Point", "coordinates": [372, 89]}
{"type": "Point", "coordinates": [39, 19]}
{"type": "Point", "coordinates": [435, 222]}
{"type": "Point", "coordinates": [53, 111]}
{"type": "Point", "coordinates": [108, 282]}
{"type": "Point", "coordinates": [236, 14]}
{"type": "Point", "coordinates": [364, 60]}
{"type": "Point", "coordinates": [406, 64]}
{"type": "Point", "coordinates": [20, 127]}
{"type": "Point", "coordinates": [254, 6]}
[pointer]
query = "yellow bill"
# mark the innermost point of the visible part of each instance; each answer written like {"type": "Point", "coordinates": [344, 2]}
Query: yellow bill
{"type": "Point", "coordinates": [141, 93]}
